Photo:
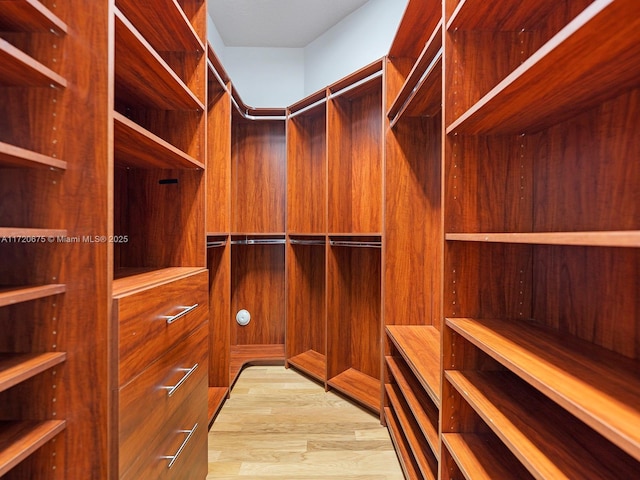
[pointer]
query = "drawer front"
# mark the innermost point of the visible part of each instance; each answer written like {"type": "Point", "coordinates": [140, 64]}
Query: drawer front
{"type": "Point", "coordinates": [150, 322]}
{"type": "Point", "coordinates": [168, 397]}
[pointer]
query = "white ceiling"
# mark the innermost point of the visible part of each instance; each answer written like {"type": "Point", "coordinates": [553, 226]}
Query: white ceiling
{"type": "Point", "coordinates": [277, 23]}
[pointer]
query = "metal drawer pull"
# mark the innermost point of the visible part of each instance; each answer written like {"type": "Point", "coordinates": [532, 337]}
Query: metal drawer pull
{"type": "Point", "coordinates": [186, 310]}
{"type": "Point", "coordinates": [172, 389]}
{"type": "Point", "coordinates": [172, 458]}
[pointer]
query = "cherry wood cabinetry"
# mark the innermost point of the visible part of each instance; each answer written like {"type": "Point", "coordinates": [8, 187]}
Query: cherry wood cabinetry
{"type": "Point", "coordinates": [541, 225]}
{"type": "Point", "coordinates": [218, 226]}
{"type": "Point", "coordinates": [159, 119]}
{"type": "Point", "coordinates": [52, 195]}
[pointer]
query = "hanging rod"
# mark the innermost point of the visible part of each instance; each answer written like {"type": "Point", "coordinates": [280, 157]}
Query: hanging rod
{"type": "Point", "coordinates": [354, 243]}
{"type": "Point", "coordinates": [217, 243]}
{"type": "Point", "coordinates": [295, 241]}
{"type": "Point", "coordinates": [259, 241]}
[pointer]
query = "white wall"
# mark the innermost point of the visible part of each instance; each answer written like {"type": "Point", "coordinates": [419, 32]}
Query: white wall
{"type": "Point", "coordinates": [359, 39]}
{"type": "Point", "coordinates": [279, 77]}
{"type": "Point", "coordinates": [266, 77]}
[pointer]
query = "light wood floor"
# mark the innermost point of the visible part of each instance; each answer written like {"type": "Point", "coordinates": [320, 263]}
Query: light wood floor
{"type": "Point", "coordinates": [280, 425]}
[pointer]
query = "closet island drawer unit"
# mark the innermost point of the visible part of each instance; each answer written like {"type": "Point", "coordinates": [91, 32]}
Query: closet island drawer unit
{"type": "Point", "coordinates": [160, 385]}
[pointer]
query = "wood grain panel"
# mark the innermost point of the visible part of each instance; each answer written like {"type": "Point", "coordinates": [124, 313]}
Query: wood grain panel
{"type": "Point", "coordinates": [413, 223]}
{"type": "Point", "coordinates": [490, 280]}
{"type": "Point", "coordinates": [155, 209]}
{"type": "Point", "coordinates": [306, 302]}
{"type": "Point", "coordinates": [583, 177]}
{"type": "Point", "coordinates": [489, 183]}
{"type": "Point", "coordinates": [353, 311]}
{"type": "Point", "coordinates": [307, 172]}
{"type": "Point", "coordinates": [591, 293]}
{"type": "Point", "coordinates": [355, 160]}
{"type": "Point", "coordinates": [258, 285]}
{"type": "Point", "coordinates": [219, 264]}
{"type": "Point", "coordinates": [218, 194]}
{"type": "Point", "coordinates": [259, 175]}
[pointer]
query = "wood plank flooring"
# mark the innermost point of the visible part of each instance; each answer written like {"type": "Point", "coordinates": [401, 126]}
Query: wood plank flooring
{"type": "Point", "coordinates": [278, 424]}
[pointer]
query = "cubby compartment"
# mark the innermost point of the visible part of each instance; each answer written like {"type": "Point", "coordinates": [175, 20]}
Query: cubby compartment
{"type": "Point", "coordinates": [219, 265]}
{"type": "Point", "coordinates": [307, 166]}
{"type": "Point", "coordinates": [258, 172]}
{"type": "Point", "coordinates": [257, 286]}
{"type": "Point", "coordinates": [354, 159]}
{"type": "Point", "coordinates": [306, 335]}
{"type": "Point", "coordinates": [354, 318]}
{"type": "Point", "coordinates": [153, 210]}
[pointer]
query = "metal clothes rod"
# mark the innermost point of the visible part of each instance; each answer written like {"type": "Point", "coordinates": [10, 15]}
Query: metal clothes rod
{"type": "Point", "coordinates": [348, 243]}
{"type": "Point", "coordinates": [259, 241]}
{"type": "Point", "coordinates": [306, 242]}
{"type": "Point", "coordinates": [218, 243]}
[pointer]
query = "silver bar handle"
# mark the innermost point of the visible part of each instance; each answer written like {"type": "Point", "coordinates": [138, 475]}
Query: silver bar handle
{"type": "Point", "coordinates": [172, 458]}
{"type": "Point", "coordinates": [173, 318]}
{"type": "Point", "coordinates": [172, 389]}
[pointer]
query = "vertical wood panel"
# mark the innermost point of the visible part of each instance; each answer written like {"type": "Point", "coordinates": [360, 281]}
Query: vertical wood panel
{"type": "Point", "coordinates": [413, 223]}
{"type": "Point", "coordinates": [306, 305]}
{"type": "Point", "coordinates": [219, 162]}
{"type": "Point", "coordinates": [259, 175]}
{"type": "Point", "coordinates": [219, 264]}
{"type": "Point", "coordinates": [258, 286]}
{"type": "Point", "coordinates": [306, 177]}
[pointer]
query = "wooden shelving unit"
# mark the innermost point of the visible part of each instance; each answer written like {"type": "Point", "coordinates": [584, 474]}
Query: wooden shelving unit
{"type": "Point", "coordinates": [536, 340]}
{"type": "Point", "coordinates": [53, 171]}
{"type": "Point", "coordinates": [159, 182]}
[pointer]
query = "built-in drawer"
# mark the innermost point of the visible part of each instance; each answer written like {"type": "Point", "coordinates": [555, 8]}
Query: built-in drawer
{"type": "Point", "coordinates": [151, 321]}
{"type": "Point", "coordinates": [158, 407]}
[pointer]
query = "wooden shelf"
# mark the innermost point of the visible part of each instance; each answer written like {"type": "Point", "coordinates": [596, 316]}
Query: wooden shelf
{"type": "Point", "coordinates": [128, 281]}
{"type": "Point", "coordinates": [629, 238]}
{"type": "Point", "coordinates": [597, 53]}
{"type": "Point", "coordinates": [359, 386]}
{"type": "Point", "coordinates": [422, 450]}
{"type": "Point", "coordinates": [420, 347]}
{"type": "Point", "coordinates": [217, 397]}
{"type": "Point", "coordinates": [17, 367]}
{"type": "Point", "coordinates": [245, 355]}
{"type": "Point", "coordinates": [590, 382]}
{"type": "Point", "coordinates": [19, 69]}
{"type": "Point", "coordinates": [11, 295]}
{"type": "Point", "coordinates": [137, 147]}
{"type": "Point", "coordinates": [144, 76]}
{"type": "Point", "coordinates": [479, 457]}
{"type": "Point", "coordinates": [164, 25]}
{"type": "Point", "coordinates": [526, 421]}
{"type": "Point", "coordinates": [312, 363]}
{"type": "Point", "coordinates": [422, 407]}
{"type": "Point", "coordinates": [407, 461]}
{"type": "Point", "coordinates": [418, 20]}
{"type": "Point", "coordinates": [512, 15]}
{"type": "Point", "coordinates": [44, 235]}
{"type": "Point", "coordinates": [29, 16]}
{"type": "Point", "coordinates": [12, 156]}
{"type": "Point", "coordinates": [421, 93]}
{"type": "Point", "coordinates": [18, 440]}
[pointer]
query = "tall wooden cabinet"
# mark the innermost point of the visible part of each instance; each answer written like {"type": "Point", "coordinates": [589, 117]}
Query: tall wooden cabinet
{"type": "Point", "coordinates": [54, 305]}
{"type": "Point", "coordinates": [160, 294]}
